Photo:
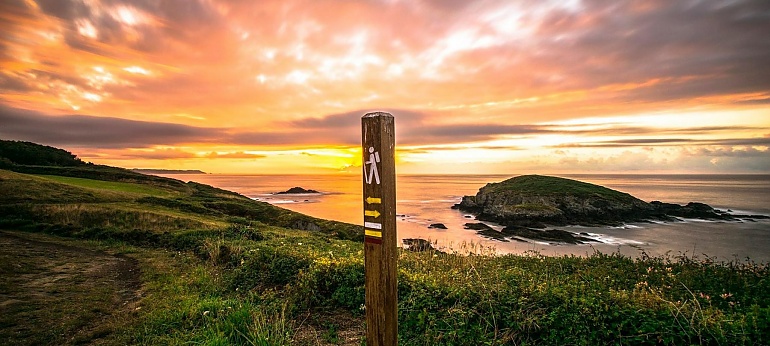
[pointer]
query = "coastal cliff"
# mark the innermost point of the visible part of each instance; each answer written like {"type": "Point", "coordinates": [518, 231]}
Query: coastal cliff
{"type": "Point", "coordinates": [535, 200]}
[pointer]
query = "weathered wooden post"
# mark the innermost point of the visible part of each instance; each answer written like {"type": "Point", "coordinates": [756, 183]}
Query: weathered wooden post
{"type": "Point", "coordinates": [380, 253]}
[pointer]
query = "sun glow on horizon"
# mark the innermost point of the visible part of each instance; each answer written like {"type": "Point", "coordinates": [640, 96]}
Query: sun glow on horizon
{"type": "Point", "coordinates": [476, 86]}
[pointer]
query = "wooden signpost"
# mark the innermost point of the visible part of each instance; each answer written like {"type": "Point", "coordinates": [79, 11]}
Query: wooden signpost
{"type": "Point", "coordinates": [380, 253]}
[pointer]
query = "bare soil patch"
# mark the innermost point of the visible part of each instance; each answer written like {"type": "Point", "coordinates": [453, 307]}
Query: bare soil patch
{"type": "Point", "coordinates": [54, 291]}
{"type": "Point", "coordinates": [336, 327]}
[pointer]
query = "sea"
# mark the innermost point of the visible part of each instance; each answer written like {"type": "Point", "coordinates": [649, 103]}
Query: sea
{"type": "Point", "coordinates": [422, 200]}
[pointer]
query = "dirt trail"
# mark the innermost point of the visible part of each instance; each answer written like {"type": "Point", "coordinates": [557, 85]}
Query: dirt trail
{"type": "Point", "coordinates": [55, 292]}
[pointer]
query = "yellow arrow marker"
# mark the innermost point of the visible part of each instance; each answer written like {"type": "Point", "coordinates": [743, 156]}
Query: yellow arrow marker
{"type": "Point", "coordinates": [373, 213]}
{"type": "Point", "coordinates": [373, 200]}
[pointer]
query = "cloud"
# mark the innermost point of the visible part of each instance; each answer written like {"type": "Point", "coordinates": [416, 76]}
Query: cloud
{"type": "Point", "coordinates": [727, 151]}
{"type": "Point", "coordinates": [297, 74]}
{"type": "Point", "coordinates": [97, 132]}
{"type": "Point", "coordinates": [635, 142]}
{"type": "Point", "coordinates": [415, 128]}
{"type": "Point", "coordinates": [566, 58]}
{"type": "Point", "coordinates": [154, 154]}
{"type": "Point", "coordinates": [234, 155]}
{"type": "Point", "coordinates": [698, 160]}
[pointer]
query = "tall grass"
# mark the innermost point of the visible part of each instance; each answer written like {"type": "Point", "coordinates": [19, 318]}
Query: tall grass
{"type": "Point", "coordinates": [88, 216]}
{"type": "Point", "coordinates": [124, 187]}
{"type": "Point", "coordinates": [448, 299]}
{"type": "Point", "coordinates": [238, 276]}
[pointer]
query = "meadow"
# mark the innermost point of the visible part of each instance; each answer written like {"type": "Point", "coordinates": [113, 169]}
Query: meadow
{"type": "Point", "coordinates": [218, 268]}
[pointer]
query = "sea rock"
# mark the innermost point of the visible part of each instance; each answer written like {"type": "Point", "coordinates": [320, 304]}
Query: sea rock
{"type": "Point", "coordinates": [549, 235]}
{"type": "Point", "coordinates": [485, 230]}
{"type": "Point", "coordinates": [751, 217]}
{"type": "Point", "coordinates": [305, 226]}
{"type": "Point", "coordinates": [692, 210]}
{"type": "Point", "coordinates": [533, 201]}
{"type": "Point", "coordinates": [296, 190]}
{"type": "Point", "coordinates": [493, 234]}
{"type": "Point", "coordinates": [478, 226]}
{"type": "Point", "coordinates": [437, 226]}
{"type": "Point", "coordinates": [419, 245]}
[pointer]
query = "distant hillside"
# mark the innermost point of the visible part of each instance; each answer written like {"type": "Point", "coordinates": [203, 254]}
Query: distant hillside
{"type": "Point", "coordinates": [33, 158]}
{"type": "Point", "coordinates": [36, 183]}
{"type": "Point", "coordinates": [33, 154]}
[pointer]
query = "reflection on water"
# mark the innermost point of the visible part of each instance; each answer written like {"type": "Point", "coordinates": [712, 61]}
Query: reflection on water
{"type": "Point", "coordinates": [426, 199]}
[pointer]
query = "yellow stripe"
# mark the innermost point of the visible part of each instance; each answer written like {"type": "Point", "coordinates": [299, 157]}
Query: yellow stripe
{"type": "Point", "coordinates": [372, 233]}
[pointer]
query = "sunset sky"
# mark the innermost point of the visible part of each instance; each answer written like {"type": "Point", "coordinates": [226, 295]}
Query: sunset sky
{"type": "Point", "coordinates": [279, 87]}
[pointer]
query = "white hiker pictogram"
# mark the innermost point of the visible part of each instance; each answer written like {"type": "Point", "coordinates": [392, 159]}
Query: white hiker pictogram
{"type": "Point", "coordinates": [374, 158]}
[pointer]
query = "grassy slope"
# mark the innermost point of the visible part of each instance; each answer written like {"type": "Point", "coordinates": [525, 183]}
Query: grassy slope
{"type": "Point", "coordinates": [218, 268]}
{"type": "Point", "coordinates": [132, 188]}
{"type": "Point", "coordinates": [555, 186]}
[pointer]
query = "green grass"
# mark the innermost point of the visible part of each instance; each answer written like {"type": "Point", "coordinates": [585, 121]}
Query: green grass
{"type": "Point", "coordinates": [132, 188]}
{"type": "Point", "coordinates": [218, 268]}
{"type": "Point", "coordinates": [547, 186]}
{"type": "Point", "coordinates": [23, 188]}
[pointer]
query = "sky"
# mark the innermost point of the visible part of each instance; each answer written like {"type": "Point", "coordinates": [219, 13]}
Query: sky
{"type": "Point", "coordinates": [476, 87]}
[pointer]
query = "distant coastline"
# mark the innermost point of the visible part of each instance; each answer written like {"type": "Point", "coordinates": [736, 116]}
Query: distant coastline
{"type": "Point", "coordinates": [167, 171]}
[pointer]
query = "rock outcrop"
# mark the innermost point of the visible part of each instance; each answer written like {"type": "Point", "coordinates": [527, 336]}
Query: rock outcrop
{"type": "Point", "coordinates": [306, 225]}
{"type": "Point", "coordinates": [534, 201]}
{"type": "Point", "coordinates": [296, 191]}
{"type": "Point", "coordinates": [420, 245]}
{"type": "Point", "coordinates": [547, 235]}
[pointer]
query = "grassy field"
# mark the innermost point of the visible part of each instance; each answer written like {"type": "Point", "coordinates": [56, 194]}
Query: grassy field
{"type": "Point", "coordinates": [217, 268]}
{"type": "Point", "coordinates": [549, 186]}
{"type": "Point", "coordinates": [131, 188]}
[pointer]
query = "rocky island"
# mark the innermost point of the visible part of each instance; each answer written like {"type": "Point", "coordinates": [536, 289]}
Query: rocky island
{"type": "Point", "coordinates": [296, 191]}
{"type": "Point", "coordinates": [527, 203]}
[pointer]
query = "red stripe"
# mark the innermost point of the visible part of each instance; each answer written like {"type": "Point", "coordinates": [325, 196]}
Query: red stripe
{"type": "Point", "coordinates": [373, 240]}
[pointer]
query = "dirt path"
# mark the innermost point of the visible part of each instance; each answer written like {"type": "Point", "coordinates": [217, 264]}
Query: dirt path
{"type": "Point", "coordinates": [330, 328]}
{"type": "Point", "coordinates": [54, 291]}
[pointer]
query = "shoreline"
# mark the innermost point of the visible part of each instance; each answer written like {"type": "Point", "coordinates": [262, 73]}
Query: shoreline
{"type": "Point", "coordinates": [427, 201]}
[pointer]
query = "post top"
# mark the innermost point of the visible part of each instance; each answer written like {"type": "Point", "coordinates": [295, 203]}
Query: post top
{"type": "Point", "coordinates": [377, 114]}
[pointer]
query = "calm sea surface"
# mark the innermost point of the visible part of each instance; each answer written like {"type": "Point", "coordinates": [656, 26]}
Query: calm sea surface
{"type": "Point", "coordinates": [426, 199]}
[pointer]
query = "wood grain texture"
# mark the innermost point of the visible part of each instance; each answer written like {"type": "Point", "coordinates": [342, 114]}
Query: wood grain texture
{"type": "Point", "coordinates": [378, 132]}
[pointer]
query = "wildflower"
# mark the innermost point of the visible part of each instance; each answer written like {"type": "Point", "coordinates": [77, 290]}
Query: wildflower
{"type": "Point", "coordinates": [726, 295]}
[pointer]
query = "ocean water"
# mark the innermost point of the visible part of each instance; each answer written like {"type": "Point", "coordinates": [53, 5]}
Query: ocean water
{"type": "Point", "coordinates": [426, 199]}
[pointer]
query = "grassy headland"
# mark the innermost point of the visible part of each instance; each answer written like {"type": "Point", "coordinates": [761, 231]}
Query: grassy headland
{"type": "Point", "coordinates": [219, 268]}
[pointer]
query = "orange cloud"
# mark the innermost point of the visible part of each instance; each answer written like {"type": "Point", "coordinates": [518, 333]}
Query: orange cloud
{"type": "Point", "coordinates": [241, 77]}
